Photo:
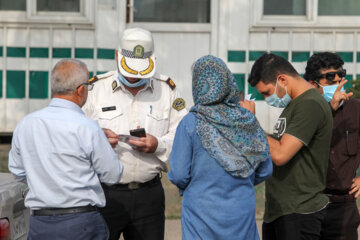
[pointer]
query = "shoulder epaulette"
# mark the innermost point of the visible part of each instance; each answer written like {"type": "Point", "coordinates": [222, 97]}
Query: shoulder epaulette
{"type": "Point", "coordinates": [166, 79]}
{"type": "Point", "coordinates": [100, 76]}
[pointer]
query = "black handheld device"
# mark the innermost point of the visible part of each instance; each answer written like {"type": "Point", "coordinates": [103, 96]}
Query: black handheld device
{"type": "Point", "coordinates": [139, 132]}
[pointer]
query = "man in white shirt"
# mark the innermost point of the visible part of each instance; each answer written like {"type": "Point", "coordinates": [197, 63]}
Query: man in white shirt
{"type": "Point", "coordinates": [131, 97]}
{"type": "Point", "coordinates": [63, 155]}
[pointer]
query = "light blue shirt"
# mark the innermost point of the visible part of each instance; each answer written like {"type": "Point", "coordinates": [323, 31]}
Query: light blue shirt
{"type": "Point", "coordinates": [63, 156]}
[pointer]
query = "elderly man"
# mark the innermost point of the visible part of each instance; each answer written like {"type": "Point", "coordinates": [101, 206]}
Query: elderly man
{"type": "Point", "coordinates": [63, 156]}
{"type": "Point", "coordinates": [123, 100]}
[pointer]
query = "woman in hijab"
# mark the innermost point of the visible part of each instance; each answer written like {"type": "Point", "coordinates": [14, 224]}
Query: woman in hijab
{"type": "Point", "coordinates": [219, 153]}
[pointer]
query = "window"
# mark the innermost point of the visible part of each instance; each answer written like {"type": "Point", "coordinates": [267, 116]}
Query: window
{"type": "Point", "coordinates": [58, 6]}
{"type": "Point", "coordinates": [339, 8]}
{"type": "Point", "coordinates": [284, 7]}
{"type": "Point", "coordinates": [47, 11]}
{"type": "Point", "coordinates": [12, 5]}
{"type": "Point", "coordinates": [305, 13]}
{"type": "Point", "coordinates": [180, 11]}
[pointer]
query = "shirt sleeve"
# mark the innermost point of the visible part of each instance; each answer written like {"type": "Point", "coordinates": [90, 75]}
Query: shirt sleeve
{"type": "Point", "coordinates": [263, 171]}
{"type": "Point", "coordinates": [16, 166]}
{"type": "Point", "coordinates": [180, 159]}
{"type": "Point", "coordinates": [165, 142]}
{"type": "Point", "coordinates": [305, 120]}
{"type": "Point", "coordinates": [105, 162]}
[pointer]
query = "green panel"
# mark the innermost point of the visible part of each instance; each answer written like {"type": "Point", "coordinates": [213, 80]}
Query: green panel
{"type": "Point", "coordinates": [39, 52]}
{"type": "Point", "coordinates": [282, 54]}
{"type": "Point", "coordinates": [100, 72]}
{"type": "Point", "coordinates": [105, 53]}
{"type": "Point", "coordinates": [61, 52]}
{"type": "Point", "coordinates": [16, 52]}
{"type": "Point", "coordinates": [39, 83]}
{"type": "Point", "coordinates": [15, 84]}
{"type": "Point", "coordinates": [1, 84]}
{"type": "Point", "coordinates": [84, 53]}
{"type": "Point", "coordinates": [91, 74]}
{"type": "Point", "coordinates": [346, 56]}
{"type": "Point", "coordinates": [348, 84]}
{"type": "Point", "coordinates": [240, 81]}
{"type": "Point", "coordinates": [358, 57]}
{"type": "Point", "coordinates": [255, 93]}
{"type": "Point", "coordinates": [236, 56]}
{"type": "Point", "coordinates": [300, 56]}
{"type": "Point", "coordinates": [1, 51]}
{"type": "Point", "coordinates": [253, 55]}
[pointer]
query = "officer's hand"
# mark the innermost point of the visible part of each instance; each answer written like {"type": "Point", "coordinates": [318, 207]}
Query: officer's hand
{"type": "Point", "coordinates": [249, 105]}
{"type": "Point", "coordinates": [146, 144]}
{"type": "Point", "coordinates": [111, 136]}
{"type": "Point", "coordinates": [355, 187]}
{"type": "Point", "coordinates": [339, 96]}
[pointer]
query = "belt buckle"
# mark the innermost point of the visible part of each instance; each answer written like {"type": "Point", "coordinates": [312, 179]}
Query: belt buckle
{"type": "Point", "coordinates": [133, 185]}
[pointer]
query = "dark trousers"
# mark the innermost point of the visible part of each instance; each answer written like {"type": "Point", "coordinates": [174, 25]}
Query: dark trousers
{"type": "Point", "coordinates": [294, 227]}
{"type": "Point", "coordinates": [138, 214]}
{"type": "Point", "coordinates": [341, 221]}
{"type": "Point", "coordinates": [79, 226]}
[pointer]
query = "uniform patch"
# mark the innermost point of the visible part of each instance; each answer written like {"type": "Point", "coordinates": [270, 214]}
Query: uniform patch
{"type": "Point", "coordinates": [114, 85]}
{"type": "Point", "coordinates": [105, 109]}
{"type": "Point", "coordinates": [171, 83]}
{"type": "Point", "coordinates": [279, 127]}
{"type": "Point", "coordinates": [179, 104]}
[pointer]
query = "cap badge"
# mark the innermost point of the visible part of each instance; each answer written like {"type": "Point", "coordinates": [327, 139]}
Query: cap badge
{"type": "Point", "coordinates": [138, 51]}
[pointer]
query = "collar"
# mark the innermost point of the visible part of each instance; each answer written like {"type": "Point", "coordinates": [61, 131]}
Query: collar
{"type": "Point", "coordinates": [63, 103]}
{"type": "Point", "coordinates": [116, 84]}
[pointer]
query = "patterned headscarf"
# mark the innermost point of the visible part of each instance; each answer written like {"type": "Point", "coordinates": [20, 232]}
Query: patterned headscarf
{"type": "Point", "coordinates": [229, 133]}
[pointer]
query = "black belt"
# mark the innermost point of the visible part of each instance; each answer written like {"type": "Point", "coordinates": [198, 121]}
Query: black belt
{"type": "Point", "coordinates": [63, 211]}
{"type": "Point", "coordinates": [134, 185]}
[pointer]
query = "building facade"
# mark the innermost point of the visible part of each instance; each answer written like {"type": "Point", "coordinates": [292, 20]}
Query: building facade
{"type": "Point", "coordinates": [35, 34]}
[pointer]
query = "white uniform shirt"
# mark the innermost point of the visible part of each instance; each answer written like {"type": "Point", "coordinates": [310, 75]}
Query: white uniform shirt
{"type": "Point", "coordinates": [153, 108]}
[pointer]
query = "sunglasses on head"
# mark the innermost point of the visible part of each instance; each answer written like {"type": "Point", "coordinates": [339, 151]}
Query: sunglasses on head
{"type": "Point", "coordinates": [330, 76]}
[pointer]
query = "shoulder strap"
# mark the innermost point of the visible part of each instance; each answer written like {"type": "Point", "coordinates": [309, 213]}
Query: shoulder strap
{"type": "Point", "coordinates": [101, 76]}
{"type": "Point", "coordinates": [166, 79]}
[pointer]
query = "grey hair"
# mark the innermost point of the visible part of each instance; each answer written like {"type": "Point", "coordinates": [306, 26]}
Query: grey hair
{"type": "Point", "coordinates": [67, 75]}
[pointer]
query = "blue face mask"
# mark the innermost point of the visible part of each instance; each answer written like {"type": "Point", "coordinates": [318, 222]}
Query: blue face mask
{"type": "Point", "coordinates": [275, 101]}
{"type": "Point", "coordinates": [132, 85]}
{"type": "Point", "coordinates": [328, 91]}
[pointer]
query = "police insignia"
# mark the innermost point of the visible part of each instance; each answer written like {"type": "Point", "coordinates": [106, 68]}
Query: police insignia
{"type": "Point", "coordinates": [93, 79]}
{"type": "Point", "coordinates": [114, 85]}
{"type": "Point", "coordinates": [138, 51]}
{"type": "Point", "coordinates": [171, 83]}
{"type": "Point", "coordinates": [179, 104]}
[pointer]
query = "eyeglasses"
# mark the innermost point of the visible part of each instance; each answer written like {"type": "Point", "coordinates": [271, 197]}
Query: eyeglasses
{"type": "Point", "coordinates": [330, 76]}
{"type": "Point", "coordinates": [89, 85]}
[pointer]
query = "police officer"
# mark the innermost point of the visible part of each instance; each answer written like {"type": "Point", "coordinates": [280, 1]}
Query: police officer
{"type": "Point", "coordinates": [132, 97]}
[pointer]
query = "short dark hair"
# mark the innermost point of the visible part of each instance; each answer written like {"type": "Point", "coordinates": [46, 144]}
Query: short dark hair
{"type": "Point", "coordinates": [322, 60]}
{"type": "Point", "coordinates": [268, 67]}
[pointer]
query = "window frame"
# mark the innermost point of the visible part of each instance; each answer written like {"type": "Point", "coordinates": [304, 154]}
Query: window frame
{"type": "Point", "coordinates": [174, 26]}
{"type": "Point", "coordinates": [86, 15]}
{"type": "Point", "coordinates": [311, 19]}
